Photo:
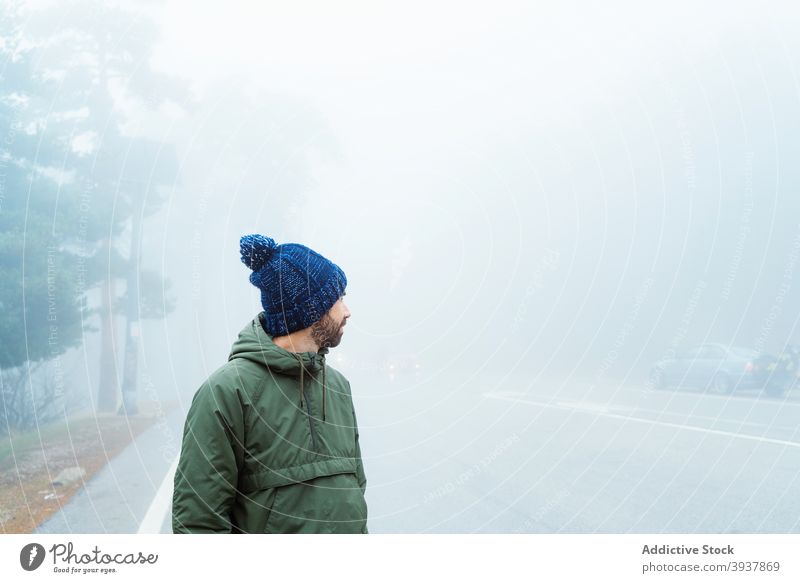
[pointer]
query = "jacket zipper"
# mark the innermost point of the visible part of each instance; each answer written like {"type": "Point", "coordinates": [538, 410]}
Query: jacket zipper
{"type": "Point", "coordinates": [311, 424]}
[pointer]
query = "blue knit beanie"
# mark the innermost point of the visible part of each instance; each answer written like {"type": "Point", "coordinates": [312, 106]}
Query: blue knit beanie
{"type": "Point", "coordinates": [298, 285]}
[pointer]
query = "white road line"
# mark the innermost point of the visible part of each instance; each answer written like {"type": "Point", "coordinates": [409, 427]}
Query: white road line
{"type": "Point", "coordinates": [154, 518]}
{"type": "Point", "coordinates": [745, 398]}
{"type": "Point", "coordinates": [606, 408]}
{"type": "Point", "coordinates": [650, 421]}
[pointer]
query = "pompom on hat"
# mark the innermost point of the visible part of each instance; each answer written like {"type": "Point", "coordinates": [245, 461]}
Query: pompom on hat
{"type": "Point", "coordinates": [298, 285]}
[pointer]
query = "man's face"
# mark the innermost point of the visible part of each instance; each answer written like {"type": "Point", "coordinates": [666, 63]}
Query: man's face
{"type": "Point", "coordinates": [329, 329]}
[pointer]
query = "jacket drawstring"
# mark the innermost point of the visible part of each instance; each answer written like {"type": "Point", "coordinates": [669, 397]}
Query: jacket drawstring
{"type": "Point", "coordinates": [301, 383]}
{"type": "Point", "coordinates": [323, 389]}
{"type": "Point", "coordinates": [324, 384]}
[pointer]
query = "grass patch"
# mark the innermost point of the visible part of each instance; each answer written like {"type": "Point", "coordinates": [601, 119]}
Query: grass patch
{"type": "Point", "coordinates": [30, 461]}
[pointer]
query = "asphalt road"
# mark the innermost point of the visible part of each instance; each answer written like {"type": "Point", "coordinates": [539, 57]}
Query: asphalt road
{"type": "Point", "coordinates": [495, 455]}
{"type": "Point", "coordinates": [129, 492]}
{"type": "Point", "coordinates": [508, 456]}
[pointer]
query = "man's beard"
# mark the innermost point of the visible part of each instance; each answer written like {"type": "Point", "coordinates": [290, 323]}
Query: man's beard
{"type": "Point", "coordinates": [326, 332]}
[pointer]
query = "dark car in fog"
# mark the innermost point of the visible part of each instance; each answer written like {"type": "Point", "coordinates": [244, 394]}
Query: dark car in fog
{"type": "Point", "coordinates": [719, 368]}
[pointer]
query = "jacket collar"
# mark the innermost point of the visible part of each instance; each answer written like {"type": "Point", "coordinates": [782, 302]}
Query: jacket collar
{"type": "Point", "coordinates": [254, 343]}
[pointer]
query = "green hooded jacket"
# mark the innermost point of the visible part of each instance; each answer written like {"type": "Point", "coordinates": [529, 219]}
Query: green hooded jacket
{"type": "Point", "coordinates": [270, 445]}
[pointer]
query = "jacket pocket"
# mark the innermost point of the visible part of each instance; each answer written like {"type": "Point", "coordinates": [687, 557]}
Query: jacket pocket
{"type": "Point", "coordinates": [326, 504]}
{"type": "Point", "coordinates": [322, 496]}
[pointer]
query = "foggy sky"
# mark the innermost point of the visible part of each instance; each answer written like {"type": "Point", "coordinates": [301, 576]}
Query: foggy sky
{"type": "Point", "coordinates": [537, 189]}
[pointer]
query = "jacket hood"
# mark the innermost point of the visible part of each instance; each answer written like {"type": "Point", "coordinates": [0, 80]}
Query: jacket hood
{"type": "Point", "coordinates": [255, 344]}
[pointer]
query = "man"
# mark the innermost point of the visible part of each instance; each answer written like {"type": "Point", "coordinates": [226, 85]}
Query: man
{"type": "Point", "coordinates": [270, 443]}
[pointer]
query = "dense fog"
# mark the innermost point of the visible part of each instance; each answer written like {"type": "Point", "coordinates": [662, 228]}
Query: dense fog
{"type": "Point", "coordinates": [538, 208]}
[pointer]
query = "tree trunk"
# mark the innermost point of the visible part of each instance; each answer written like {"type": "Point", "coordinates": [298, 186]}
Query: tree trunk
{"type": "Point", "coordinates": [130, 370]}
{"type": "Point", "coordinates": [107, 391]}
